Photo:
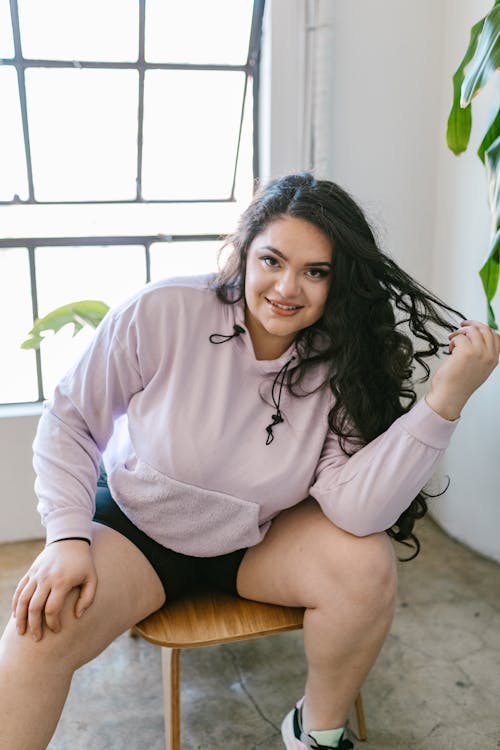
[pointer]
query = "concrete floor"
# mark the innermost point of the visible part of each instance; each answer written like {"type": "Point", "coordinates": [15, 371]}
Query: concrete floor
{"type": "Point", "coordinates": [436, 683]}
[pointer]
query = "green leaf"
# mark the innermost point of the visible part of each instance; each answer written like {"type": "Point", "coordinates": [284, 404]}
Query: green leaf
{"type": "Point", "coordinates": [491, 318]}
{"type": "Point", "coordinates": [492, 164]}
{"type": "Point", "coordinates": [460, 119]}
{"type": "Point", "coordinates": [489, 274]}
{"type": "Point", "coordinates": [84, 312]}
{"type": "Point", "coordinates": [486, 58]}
{"type": "Point", "coordinates": [491, 135]}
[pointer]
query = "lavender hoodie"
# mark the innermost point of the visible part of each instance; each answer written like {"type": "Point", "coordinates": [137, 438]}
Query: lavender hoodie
{"type": "Point", "coordinates": [181, 424]}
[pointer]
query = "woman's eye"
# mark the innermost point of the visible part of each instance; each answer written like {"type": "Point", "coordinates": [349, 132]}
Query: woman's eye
{"type": "Point", "coordinates": [269, 261]}
{"type": "Point", "coordinates": [318, 273]}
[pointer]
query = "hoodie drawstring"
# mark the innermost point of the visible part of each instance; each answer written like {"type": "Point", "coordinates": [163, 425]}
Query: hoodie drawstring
{"type": "Point", "coordinates": [278, 382]}
{"type": "Point", "coordinates": [221, 338]}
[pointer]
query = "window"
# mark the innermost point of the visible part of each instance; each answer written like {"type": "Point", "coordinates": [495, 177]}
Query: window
{"type": "Point", "coordinates": [128, 149]}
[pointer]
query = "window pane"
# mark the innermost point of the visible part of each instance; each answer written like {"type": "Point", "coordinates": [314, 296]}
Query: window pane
{"type": "Point", "coordinates": [68, 274]}
{"type": "Point", "coordinates": [191, 122]}
{"type": "Point", "coordinates": [83, 132]}
{"type": "Point", "coordinates": [106, 30]}
{"type": "Point", "coordinates": [197, 31]}
{"type": "Point", "coordinates": [125, 219]}
{"type": "Point", "coordinates": [183, 258]}
{"type": "Point", "coordinates": [13, 179]}
{"type": "Point", "coordinates": [18, 370]}
{"type": "Point", "coordinates": [6, 42]}
{"type": "Point", "coordinates": [244, 175]}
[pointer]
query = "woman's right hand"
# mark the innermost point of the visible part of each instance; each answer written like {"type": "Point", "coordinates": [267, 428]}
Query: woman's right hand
{"type": "Point", "coordinates": [41, 593]}
{"type": "Point", "coordinates": [474, 352]}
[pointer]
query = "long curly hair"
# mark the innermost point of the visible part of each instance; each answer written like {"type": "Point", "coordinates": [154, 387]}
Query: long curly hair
{"type": "Point", "coordinates": [374, 318]}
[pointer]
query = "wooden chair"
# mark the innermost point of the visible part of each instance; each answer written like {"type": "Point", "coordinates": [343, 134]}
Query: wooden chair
{"type": "Point", "coordinates": [206, 618]}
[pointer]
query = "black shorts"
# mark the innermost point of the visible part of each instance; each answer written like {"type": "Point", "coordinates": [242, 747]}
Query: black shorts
{"type": "Point", "coordinates": [178, 573]}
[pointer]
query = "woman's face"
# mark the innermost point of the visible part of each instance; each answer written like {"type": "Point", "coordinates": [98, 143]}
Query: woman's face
{"type": "Point", "coordinates": [287, 280]}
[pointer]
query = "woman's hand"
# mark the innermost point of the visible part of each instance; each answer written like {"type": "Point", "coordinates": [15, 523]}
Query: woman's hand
{"type": "Point", "coordinates": [474, 352]}
{"type": "Point", "coordinates": [40, 594]}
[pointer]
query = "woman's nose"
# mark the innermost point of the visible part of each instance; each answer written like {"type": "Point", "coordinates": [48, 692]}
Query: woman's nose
{"type": "Point", "coordinates": [288, 285]}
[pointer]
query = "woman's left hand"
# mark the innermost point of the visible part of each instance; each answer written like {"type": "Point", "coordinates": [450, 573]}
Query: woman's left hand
{"type": "Point", "coordinates": [474, 353]}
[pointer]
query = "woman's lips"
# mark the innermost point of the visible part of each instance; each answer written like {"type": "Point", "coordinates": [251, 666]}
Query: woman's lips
{"type": "Point", "coordinates": [279, 308]}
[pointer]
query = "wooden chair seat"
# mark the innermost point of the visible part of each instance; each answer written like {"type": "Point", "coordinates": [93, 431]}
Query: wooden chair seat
{"type": "Point", "coordinates": [208, 617]}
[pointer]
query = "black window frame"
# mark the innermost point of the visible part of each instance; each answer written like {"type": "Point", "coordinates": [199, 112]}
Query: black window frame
{"type": "Point", "coordinates": [251, 69]}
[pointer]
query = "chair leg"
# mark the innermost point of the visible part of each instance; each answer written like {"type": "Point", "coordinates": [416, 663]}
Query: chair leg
{"type": "Point", "coordinates": [170, 663]}
{"type": "Point", "coordinates": [357, 719]}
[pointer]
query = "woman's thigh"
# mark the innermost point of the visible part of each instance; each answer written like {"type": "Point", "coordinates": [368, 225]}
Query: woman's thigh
{"type": "Point", "coordinates": [305, 557]}
{"type": "Point", "coordinates": [128, 589]}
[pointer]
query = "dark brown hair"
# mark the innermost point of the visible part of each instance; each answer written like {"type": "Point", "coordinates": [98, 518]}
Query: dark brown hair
{"type": "Point", "coordinates": [370, 359]}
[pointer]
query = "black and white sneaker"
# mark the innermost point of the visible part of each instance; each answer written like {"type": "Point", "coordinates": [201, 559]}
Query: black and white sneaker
{"type": "Point", "coordinates": [295, 739]}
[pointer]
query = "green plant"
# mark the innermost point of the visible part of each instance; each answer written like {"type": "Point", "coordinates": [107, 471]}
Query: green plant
{"type": "Point", "coordinates": [479, 63]}
{"type": "Point", "coordinates": [85, 312]}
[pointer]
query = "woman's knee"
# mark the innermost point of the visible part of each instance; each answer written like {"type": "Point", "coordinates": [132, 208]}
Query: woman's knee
{"type": "Point", "coordinates": [377, 567]}
{"type": "Point", "coordinates": [54, 651]}
{"type": "Point", "coordinates": [365, 569]}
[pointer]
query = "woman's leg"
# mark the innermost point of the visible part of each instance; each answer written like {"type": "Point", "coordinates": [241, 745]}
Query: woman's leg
{"type": "Point", "coordinates": [35, 677]}
{"type": "Point", "coordinates": [348, 586]}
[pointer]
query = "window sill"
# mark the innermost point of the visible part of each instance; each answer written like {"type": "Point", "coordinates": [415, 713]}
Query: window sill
{"type": "Point", "coordinates": [12, 411]}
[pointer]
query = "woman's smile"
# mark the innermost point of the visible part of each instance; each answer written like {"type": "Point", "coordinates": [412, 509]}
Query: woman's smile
{"type": "Point", "coordinates": [283, 308]}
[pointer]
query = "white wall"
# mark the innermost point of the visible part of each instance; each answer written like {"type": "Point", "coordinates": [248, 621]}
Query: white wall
{"type": "Point", "coordinates": [18, 516]}
{"type": "Point", "coordinates": [384, 118]}
{"type": "Point", "coordinates": [470, 510]}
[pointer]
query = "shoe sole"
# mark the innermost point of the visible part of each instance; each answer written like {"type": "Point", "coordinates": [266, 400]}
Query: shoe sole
{"type": "Point", "coordinates": [290, 740]}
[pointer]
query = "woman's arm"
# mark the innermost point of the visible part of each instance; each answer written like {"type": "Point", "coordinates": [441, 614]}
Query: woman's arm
{"type": "Point", "coordinates": [73, 430]}
{"type": "Point", "coordinates": [368, 492]}
{"type": "Point", "coordinates": [76, 425]}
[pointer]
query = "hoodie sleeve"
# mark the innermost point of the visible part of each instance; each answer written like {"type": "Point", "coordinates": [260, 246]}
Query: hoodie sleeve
{"type": "Point", "coordinates": [78, 422]}
{"type": "Point", "coordinates": [367, 492]}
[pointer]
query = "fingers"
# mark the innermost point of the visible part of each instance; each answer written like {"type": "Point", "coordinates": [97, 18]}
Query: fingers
{"type": "Point", "coordinates": [491, 338]}
{"type": "Point", "coordinates": [481, 336]}
{"type": "Point", "coordinates": [36, 610]}
{"type": "Point", "coordinates": [29, 609]}
{"type": "Point", "coordinates": [22, 598]}
{"type": "Point", "coordinates": [87, 596]}
{"type": "Point", "coordinates": [17, 593]}
{"type": "Point", "coordinates": [38, 604]}
{"type": "Point", "coordinates": [53, 609]}
{"type": "Point", "coordinates": [460, 338]}
{"type": "Point", "coordinates": [466, 337]}
{"type": "Point", "coordinates": [41, 597]}
{"type": "Point", "coordinates": [468, 326]}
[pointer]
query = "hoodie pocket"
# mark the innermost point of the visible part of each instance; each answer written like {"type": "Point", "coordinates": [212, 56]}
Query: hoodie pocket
{"type": "Point", "coordinates": [184, 517]}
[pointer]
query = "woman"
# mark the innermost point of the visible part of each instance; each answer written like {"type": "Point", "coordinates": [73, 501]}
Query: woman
{"type": "Point", "coordinates": [265, 448]}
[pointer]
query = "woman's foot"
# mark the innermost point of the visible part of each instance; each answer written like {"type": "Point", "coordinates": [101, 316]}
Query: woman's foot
{"type": "Point", "coordinates": [295, 738]}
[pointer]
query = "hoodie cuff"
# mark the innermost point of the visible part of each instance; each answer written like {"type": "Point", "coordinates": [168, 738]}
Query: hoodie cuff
{"type": "Point", "coordinates": [61, 524]}
{"type": "Point", "coordinates": [424, 424]}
